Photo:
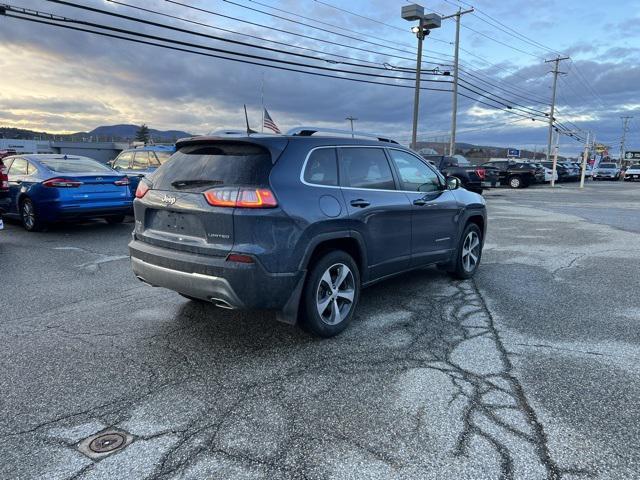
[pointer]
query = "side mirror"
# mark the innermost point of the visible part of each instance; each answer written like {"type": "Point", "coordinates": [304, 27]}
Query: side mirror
{"type": "Point", "coordinates": [453, 183]}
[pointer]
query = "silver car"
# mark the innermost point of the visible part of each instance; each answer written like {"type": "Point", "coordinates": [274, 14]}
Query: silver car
{"type": "Point", "coordinates": [606, 171]}
{"type": "Point", "coordinates": [633, 173]}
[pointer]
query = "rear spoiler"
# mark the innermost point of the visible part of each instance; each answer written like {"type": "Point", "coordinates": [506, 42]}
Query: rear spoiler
{"type": "Point", "coordinates": [274, 144]}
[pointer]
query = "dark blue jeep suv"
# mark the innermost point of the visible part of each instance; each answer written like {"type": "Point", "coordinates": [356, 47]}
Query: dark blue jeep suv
{"type": "Point", "coordinates": [299, 223]}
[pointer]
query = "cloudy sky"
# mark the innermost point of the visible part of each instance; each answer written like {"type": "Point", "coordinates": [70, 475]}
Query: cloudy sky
{"type": "Point", "coordinates": [59, 80]}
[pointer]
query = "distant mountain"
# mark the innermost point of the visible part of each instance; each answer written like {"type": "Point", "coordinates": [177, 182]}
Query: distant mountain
{"type": "Point", "coordinates": [128, 132]}
{"type": "Point", "coordinates": [102, 133]}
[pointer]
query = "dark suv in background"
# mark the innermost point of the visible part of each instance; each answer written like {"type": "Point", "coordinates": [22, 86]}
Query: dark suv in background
{"type": "Point", "coordinates": [515, 174]}
{"type": "Point", "coordinates": [471, 177]}
{"type": "Point", "coordinates": [299, 223]}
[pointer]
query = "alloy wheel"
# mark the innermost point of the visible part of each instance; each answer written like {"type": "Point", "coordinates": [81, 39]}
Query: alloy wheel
{"type": "Point", "coordinates": [335, 294]}
{"type": "Point", "coordinates": [28, 214]}
{"type": "Point", "coordinates": [470, 252]}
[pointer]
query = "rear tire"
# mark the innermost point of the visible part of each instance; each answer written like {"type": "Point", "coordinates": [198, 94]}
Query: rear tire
{"type": "Point", "coordinates": [468, 253]}
{"type": "Point", "coordinates": [331, 294]}
{"type": "Point", "coordinates": [115, 219]}
{"type": "Point", "coordinates": [28, 214]}
{"type": "Point", "coordinates": [515, 182]}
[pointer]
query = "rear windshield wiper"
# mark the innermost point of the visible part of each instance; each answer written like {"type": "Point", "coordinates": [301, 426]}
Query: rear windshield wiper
{"type": "Point", "coordinates": [195, 183]}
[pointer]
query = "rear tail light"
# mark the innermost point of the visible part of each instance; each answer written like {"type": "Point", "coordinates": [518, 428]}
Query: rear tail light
{"type": "Point", "coordinates": [143, 188]}
{"type": "Point", "coordinates": [241, 197]}
{"type": "Point", "coordinates": [122, 182]}
{"type": "Point", "coordinates": [482, 173]}
{"type": "Point", "coordinates": [61, 183]}
{"type": "Point", "coordinates": [239, 258]}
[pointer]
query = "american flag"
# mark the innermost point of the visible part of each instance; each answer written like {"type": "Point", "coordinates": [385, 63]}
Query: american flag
{"type": "Point", "coordinates": [269, 123]}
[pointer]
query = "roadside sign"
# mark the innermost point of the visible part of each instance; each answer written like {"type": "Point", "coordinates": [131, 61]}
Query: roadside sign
{"type": "Point", "coordinates": [632, 156]}
{"type": "Point", "coordinates": [513, 152]}
{"type": "Point", "coordinates": [600, 148]}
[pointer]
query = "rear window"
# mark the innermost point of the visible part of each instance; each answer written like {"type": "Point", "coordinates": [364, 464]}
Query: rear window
{"type": "Point", "coordinates": [196, 168]}
{"type": "Point", "coordinates": [74, 165]}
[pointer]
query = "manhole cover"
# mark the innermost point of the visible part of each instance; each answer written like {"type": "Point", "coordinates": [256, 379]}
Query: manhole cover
{"type": "Point", "coordinates": [107, 442]}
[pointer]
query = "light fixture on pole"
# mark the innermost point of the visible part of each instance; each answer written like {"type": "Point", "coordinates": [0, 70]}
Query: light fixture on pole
{"type": "Point", "coordinates": [426, 23]}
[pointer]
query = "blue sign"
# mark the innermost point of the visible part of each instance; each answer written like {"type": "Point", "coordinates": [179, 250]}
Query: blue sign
{"type": "Point", "coordinates": [513, 152]}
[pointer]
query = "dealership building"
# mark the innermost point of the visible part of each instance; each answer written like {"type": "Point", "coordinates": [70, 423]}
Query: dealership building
{"type": "Point", "coordinates": [100, 151]}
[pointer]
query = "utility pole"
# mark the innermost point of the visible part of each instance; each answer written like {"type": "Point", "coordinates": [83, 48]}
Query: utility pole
{"type": "Point", "coordinates": [625, 129]}
{"type": "Point", "coordinates": [555, 159]}
{"type": "Point", "coordinates": [411, 13]}
{"type": "Point", "coordinates": [351, 119]}
{"type": "Point", "coordinates": [584, 160]}
{"type": "Point", "coordinates": [454, 114]}
{"type": "Point", "coordinates": [555, 72]}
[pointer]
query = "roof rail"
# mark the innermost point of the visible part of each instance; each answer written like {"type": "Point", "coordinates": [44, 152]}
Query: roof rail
{"type": "Point", "coordinates": [309, 131]}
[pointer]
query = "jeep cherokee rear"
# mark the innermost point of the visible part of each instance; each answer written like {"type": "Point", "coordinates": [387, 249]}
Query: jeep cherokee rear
{"type": "Point", "coordinates": [298, 224]}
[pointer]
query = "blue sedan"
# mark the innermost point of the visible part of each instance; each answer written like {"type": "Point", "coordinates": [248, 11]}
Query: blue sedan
{"type": "Point", "coordinates": [48, 188]}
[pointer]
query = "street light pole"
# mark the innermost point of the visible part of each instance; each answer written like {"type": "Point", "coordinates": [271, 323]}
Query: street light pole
{"type": "Point", "coordinates": [416, 95]}
{"type": "Point", "coordinates": [625, 129]}
{"type": "Point", "coordinates": [412, 13]}
{"type": "Point", "coordinates": [351, 119]}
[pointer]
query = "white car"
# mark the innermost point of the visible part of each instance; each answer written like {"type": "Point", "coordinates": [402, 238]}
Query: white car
{"type": "Point", "coordinates": [633, 173]}
{"type": "Point", "coordinates": [548, 175]}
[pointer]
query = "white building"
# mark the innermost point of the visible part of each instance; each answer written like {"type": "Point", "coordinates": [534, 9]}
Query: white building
{"type": "Point", "coordinates": [26, 146]}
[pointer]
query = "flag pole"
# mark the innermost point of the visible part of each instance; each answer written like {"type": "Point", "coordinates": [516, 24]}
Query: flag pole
{"type": "Point", "coordinates": [262, 99]}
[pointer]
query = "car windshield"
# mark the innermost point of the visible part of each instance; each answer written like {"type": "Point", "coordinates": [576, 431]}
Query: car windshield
{"type": "Point", "coordinates": [74, 165]}
{"type": "Point", "coordinates": [607, 165]}
{"type": "Point", "coordinates": [634, 167]}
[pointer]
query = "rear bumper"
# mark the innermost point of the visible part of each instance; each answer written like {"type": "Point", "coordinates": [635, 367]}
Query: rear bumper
{"type": "Point", "coordinates": [227, 284]}
{"type": "Point", "coordinates": [206, 287]}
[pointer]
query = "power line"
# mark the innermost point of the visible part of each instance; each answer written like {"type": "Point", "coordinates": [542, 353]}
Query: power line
{"type": "Point", "coordinates": [505, 89]}
{"type": "Point", "coordinates": [505, 28]}
{"type": "Point", "coordinates": [192, 45]}
{"type": "Point", "coordinates": [262, 39]}
{"type": "Point", "coordinates": [287, 32]}
{"type": "Point", "coordinates": [297, 22]}
{"type": "Point", "coordinates": [242, 60]}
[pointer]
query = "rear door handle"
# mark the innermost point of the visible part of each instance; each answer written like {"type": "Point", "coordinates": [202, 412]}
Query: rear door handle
{"type": "Point", "coordinates": [420, 202]}
{"type": "Point", "coordinates": [360, 203]}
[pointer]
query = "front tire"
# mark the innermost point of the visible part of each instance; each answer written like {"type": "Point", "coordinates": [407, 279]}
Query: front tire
{"type": "Point", "coordinates": [468, 254]}
{"type": "Point", "coordinates": [331, 294]}
{"type": "Point", "coordinates": [30, 220]}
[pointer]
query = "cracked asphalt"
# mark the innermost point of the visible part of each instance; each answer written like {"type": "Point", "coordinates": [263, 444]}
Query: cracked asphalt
{"type": "Point", "coordinates": [530, 371]}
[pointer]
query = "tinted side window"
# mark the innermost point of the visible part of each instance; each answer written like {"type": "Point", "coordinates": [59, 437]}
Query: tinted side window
{"type": "Point", "coordinates": [365, 168]}
{"type": "Point", "coordinates": [18, 167]}
{"type": "Point", "coordinates": [414, 174]}
{"type": "Point", "coordinates": [123, 160]}
{"type": "Point", "coordinates": [153, 160]}
{"type": "Point", "coordinates": [322, 167]}
{"type": "Point", "coordinates": [31, 169]}
{"type": "Point", "coordinates": [140, 161]}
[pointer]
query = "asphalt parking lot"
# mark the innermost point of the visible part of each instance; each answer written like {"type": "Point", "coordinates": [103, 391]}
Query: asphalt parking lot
{"type": "Point", "coordinates": [530, 371]}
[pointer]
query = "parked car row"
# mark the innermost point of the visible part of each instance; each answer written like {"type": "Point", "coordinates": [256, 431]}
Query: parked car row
{"type": "Point", "coordinates": [39, 189]}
